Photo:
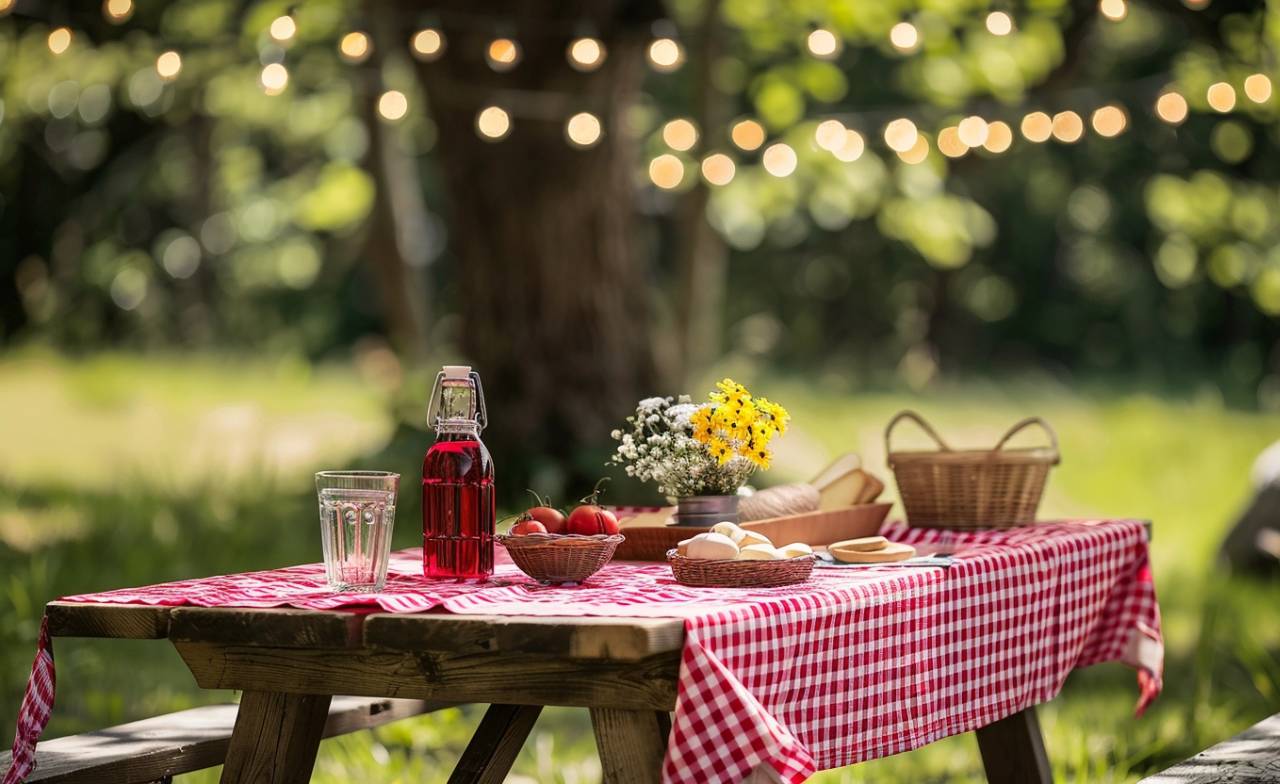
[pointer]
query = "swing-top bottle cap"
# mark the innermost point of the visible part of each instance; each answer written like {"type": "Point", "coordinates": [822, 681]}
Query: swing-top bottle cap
{"type": "Point", "coordinates": [457, 371]}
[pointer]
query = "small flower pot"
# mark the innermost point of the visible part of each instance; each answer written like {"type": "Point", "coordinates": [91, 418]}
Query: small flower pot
{"type": "Point", "coordinates": [704, 511]}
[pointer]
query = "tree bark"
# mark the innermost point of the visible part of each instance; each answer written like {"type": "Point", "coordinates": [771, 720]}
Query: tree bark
{"type": "Point", "coordinates": [552, 290]}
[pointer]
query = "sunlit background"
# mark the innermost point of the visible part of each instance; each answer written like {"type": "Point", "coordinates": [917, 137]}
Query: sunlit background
{"type": "Point", "coordinates": [238, 238]}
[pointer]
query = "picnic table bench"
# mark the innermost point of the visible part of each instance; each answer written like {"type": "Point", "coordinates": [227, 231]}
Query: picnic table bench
{"type": "Point", "coordinates": [1252, 757]}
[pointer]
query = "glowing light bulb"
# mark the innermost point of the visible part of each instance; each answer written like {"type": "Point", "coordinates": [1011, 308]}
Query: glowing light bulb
{"type": "Point", "coordinates": [6, 6]}
{"type": "Point", "coordinates": [503, 54]}
{"type": "Point", "coordinates": [59, 40]}
{"type": "Point", "coordinates": [999, 23]}
{"type": "Point", "coordinates": [918, 152]}
{"type": "Point", "coordinates": [999, 137]}
{"type": "Point", "coordinates": [427, 44]}
{"type": "Point", "coordinates": [949, 143]}
{"type": "Point", "coordinates": [283, 28]}
{"type": "Point", "coordinates": [274, 78]}
{"type": "Point", "coordinates": [1172, 108]}
{"type": "Point", "coordinates": [586, 54]}
{"type": "Point", "coordinates": [168, 65]}
{"type": "Point", "coordinates": [1258, 88]}
{"type": "Point", "coordinates": [1037, 127]}
{"type": "Point", "coordinates": [1221, 96]}
{"type": "Point", "coordinates": [116, 11]}
{"type": "Point", "coordinates": [901, 135]}
{"type": "Point", "coordinates": [905, 37]}
{"type": "Point", "coordinates": [665, 55]}
{"type": "Point", "coordinates": [1067, 127]}
{"type": "Point", "coordinates": [824, 44]}
{"type": "Point", "coordinates": [583, 130]}
{"type": "Point", "coordinates": [355, 47]}
{"type": "Point", "coordinates": [718, 169]}
{"type": "Point", "coordinates": [1109, 121]}
{"type": "Point", "coordinates": [973, 131]}
{"type": "Point", "coordinates": [493, 123]}
{"type": "Point", "coordinates": [779, 159]}
{"type": "Point", "coordinates": [748, 135]}
{"type": "Point", "coordinates": [829, 135]}
{"type": "Point", "coordinates": [680, 134]}
{"type": "Point", "coordinates": [393, 105]}
{"type": "Point", "coordinates": [1115, 10]}
{"type": "Point", "coordinates": [851, 148]}
{"type": "Point", "coordinates": [666, 171]}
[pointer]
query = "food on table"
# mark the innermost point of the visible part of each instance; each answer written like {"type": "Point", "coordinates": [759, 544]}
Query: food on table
{"type": "Point", "coordinates": [527, 525]}
{"type": "Point", "coordinates": [548, 515]}
{"type": "Point", "coordinates": [796, 549]}
{"type": "Point", "coordinates": [731, 530]}
{"type": "Point", "coordinates": [864, 544]}
{"type": "Point", "coordinates": [753, 537]}
{"type": "Point", "coordinates": [778, 501]}
{"type": "Point", "coordinates": [590, 519]}
{"type": "Point", "coordinates": [892, 551]}
{"type": "Point", "coordinates": [760, 552]}
{"type": "Point", "coordinates": [846, 483]}
{"type": "Point", "coordinates": [712, 547]}
{"type": "Point", "coordinates": [683, 547]}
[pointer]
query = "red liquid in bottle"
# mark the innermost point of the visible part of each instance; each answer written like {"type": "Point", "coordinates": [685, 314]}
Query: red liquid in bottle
{"type": "Point", "coordinates": [458, 513]}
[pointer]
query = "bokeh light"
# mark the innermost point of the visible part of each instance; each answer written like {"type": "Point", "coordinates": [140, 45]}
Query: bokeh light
{"type": "Point", "coordinates": [1115, 10]}
{"type": "Point", "coordinates": [274, 78]}
{"type": "Point", "coordinates": [493, 123]}
{"type": "Point", "coordinates": [168, 65]}
{"type": "Point", "coordinates": [748, 135]}
{"type": "Point", "coordinates": [586, 53]}
{"type": "Point", "coordinates": [1231, 141]}
{"type": "Point", "coordinates": [680, 134]}
{"type": "Point", "coordinates": [59, 40]}
{"type": "Point", "coordinates": [999, 23]}
{"type": "Point", "coordinates": [999, 137]}
{"type": "Point", "coordinates": [355, 47]}
{"type": "Point", "coordinates": [824, 44]}
{"type": "Point", "coordinates": [901, 135]}
{"type": "Point", "coordinates": [1221, 97]}
{"type": "Point", "coordinates": [1172, 108]}
{"type": "Point", "coordinates": [1067, 127]}
{"type": "Point", "coordinates": [283, 28]}
{"type": "Point", "coordinates": [666, 171]}
{"type": "Point", "coordinates": [393, 105]}
{"type": "Point", "coordinates": [905, 37]}
{"type": "Point", "coordinates": [1037, 127]}
{"type": "Point", "coordinates": [949, 143]}
{"type": "Point", "coordinates": [503, 54]}
{"type": "Point", "coordinates": [973, 131]}
{"type": "Point", "coordinates": [115, 11]}
{"type": "Point", "coordinates": [1257, 87]}
{"type": "Point", "coordinates": [851, 148]}
{"type": "Point", "coordinates": [1109, 121]}
{"type": "Point", "coordinates": [427, 44]}
{"type": "Point", "coordinates": [665, 55]}
{"type": "Point", "coordinates": [918, 152]}
{"type": "Point", "coordinates": [718, 169]}
{"type": "Point", "coordinates": [583, 130]}
{"type": "Point", "coordinates": [829, 135]}
{"type": "Point", "coordinates": [779, 159]}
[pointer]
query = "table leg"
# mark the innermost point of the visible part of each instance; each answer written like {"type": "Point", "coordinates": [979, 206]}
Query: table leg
{"type": "Point", "coordinates": [275, 738]}
{"type": "Point", "coordinates": [1013, 750]}
{"type": "Point", "coordinates": [493, 748]}
{"type": "Point", "coordinates": [632, 744]}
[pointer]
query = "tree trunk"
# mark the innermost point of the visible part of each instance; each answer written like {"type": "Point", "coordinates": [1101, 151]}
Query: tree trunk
{"type": "Point", "coordinates": [551, 286]}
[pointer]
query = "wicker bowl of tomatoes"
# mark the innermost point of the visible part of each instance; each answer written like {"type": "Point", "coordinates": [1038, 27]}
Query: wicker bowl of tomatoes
{"type": "Point", "coordinates": [553, 548]}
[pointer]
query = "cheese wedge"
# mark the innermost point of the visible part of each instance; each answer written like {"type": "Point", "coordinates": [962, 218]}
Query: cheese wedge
{"type": "Point", "coordinates": [891, 552]}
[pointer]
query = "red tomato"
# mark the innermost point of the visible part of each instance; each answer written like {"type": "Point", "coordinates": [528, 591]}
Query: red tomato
{"type": "Point", "coordinates": [553, 519]}
{"type": "Point", "coordinates": [589, 520]}
{"type": "Point", "coordinates": [528, 527]}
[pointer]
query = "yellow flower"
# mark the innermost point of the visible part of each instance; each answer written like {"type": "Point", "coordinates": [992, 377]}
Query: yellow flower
{"type": "Point", "coordinates": [723, 418]}
{"type": "Point", "coordinates": [760, 457]}
{"type": "Point", "coordinates": [720, 450]}
{"type": "Point", "coordinates": [702, 431]}
{"type": "Point", "coordinates": [777, 415]}
{"type": "Point", "coordinates": [762, 431]}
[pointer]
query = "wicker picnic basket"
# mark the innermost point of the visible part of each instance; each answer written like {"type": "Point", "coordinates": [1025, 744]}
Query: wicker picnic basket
{"type": "Point", "coordinates": [739, 574]}
{"type": "Point", "coordinates": [560, 558]}
{"type": "Point", "coordinates": [951, 488]}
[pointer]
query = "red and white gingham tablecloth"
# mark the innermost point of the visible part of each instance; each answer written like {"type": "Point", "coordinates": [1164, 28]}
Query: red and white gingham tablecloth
{"type": "Point", "coordinates": [853, 665]}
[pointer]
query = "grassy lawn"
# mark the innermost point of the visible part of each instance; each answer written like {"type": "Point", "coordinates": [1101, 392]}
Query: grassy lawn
{"type": "Point", "coordinates": [120, 471]}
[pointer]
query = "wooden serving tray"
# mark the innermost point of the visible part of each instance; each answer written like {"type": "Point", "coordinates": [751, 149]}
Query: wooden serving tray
{"type": "Point", "coordinates": [648, 540]}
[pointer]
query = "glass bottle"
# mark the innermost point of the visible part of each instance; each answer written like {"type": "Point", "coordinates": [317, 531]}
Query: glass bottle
{"type": "Point", "coordinates": [458, 513]}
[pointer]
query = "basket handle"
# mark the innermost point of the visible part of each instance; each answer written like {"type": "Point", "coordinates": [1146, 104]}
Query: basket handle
{"type": "Point", "coordinates": [919, 420]}
{"type": "Point", "coordinates": [1053, 437]}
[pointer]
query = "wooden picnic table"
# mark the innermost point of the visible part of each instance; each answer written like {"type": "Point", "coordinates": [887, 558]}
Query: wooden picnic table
{"type": "Point", "coordinates": [289, 663]}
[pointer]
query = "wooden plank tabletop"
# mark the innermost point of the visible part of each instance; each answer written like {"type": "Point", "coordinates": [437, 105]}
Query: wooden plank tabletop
{"type": "Point", "coordinates": [577, 637]}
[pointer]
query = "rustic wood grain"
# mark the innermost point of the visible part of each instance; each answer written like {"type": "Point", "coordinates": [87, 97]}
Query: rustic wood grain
{"type": "Point", "coordinates": [632, 744]}
{"type": "Point", "coordinates": [618, 639]}
{"type": "Point", "coordinates": [275, 738]}
{"type": "Point", "coordinates": [516, 679]}
{"type": "Point", "coordinates": [273, 627]}
{"type": "Point", "coordinates": [120, 621]}
{"type": "Point", "coordinates": [1252, 757]}
{"type": "Point", "coordinates": [493, 749]}
{"type": "Point", "coordinates": [181, 742]}
{"type": "Point", "coordinates": [1013, 750]}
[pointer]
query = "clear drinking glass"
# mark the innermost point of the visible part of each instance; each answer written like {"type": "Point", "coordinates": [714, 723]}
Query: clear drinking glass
{"type": "Point", "coordinates": [357, 514]}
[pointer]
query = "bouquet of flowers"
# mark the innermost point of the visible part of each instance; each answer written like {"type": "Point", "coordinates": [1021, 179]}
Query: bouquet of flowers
{"type": "Point", "coordinates": [692, 449]}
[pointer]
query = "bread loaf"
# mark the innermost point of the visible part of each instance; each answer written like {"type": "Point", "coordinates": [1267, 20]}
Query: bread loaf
{"type": "Point", "coordinates": [778, 501]}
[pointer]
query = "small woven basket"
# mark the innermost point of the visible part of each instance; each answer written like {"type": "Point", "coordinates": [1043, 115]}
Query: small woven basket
{"type": "Point", "coordinates": [739, 574]}
{"type": "Point", "coordinates": [560, 558]}
{"type": "Point", "coordinates": [950, 488]}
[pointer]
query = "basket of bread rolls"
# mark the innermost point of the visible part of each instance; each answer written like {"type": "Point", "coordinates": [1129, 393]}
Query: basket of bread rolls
{"type": "Point", "coordinates": [728, 556]}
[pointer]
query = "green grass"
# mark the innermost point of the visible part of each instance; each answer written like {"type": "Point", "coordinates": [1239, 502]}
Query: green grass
{"type": "Point", "coordinates": [118, 470]}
